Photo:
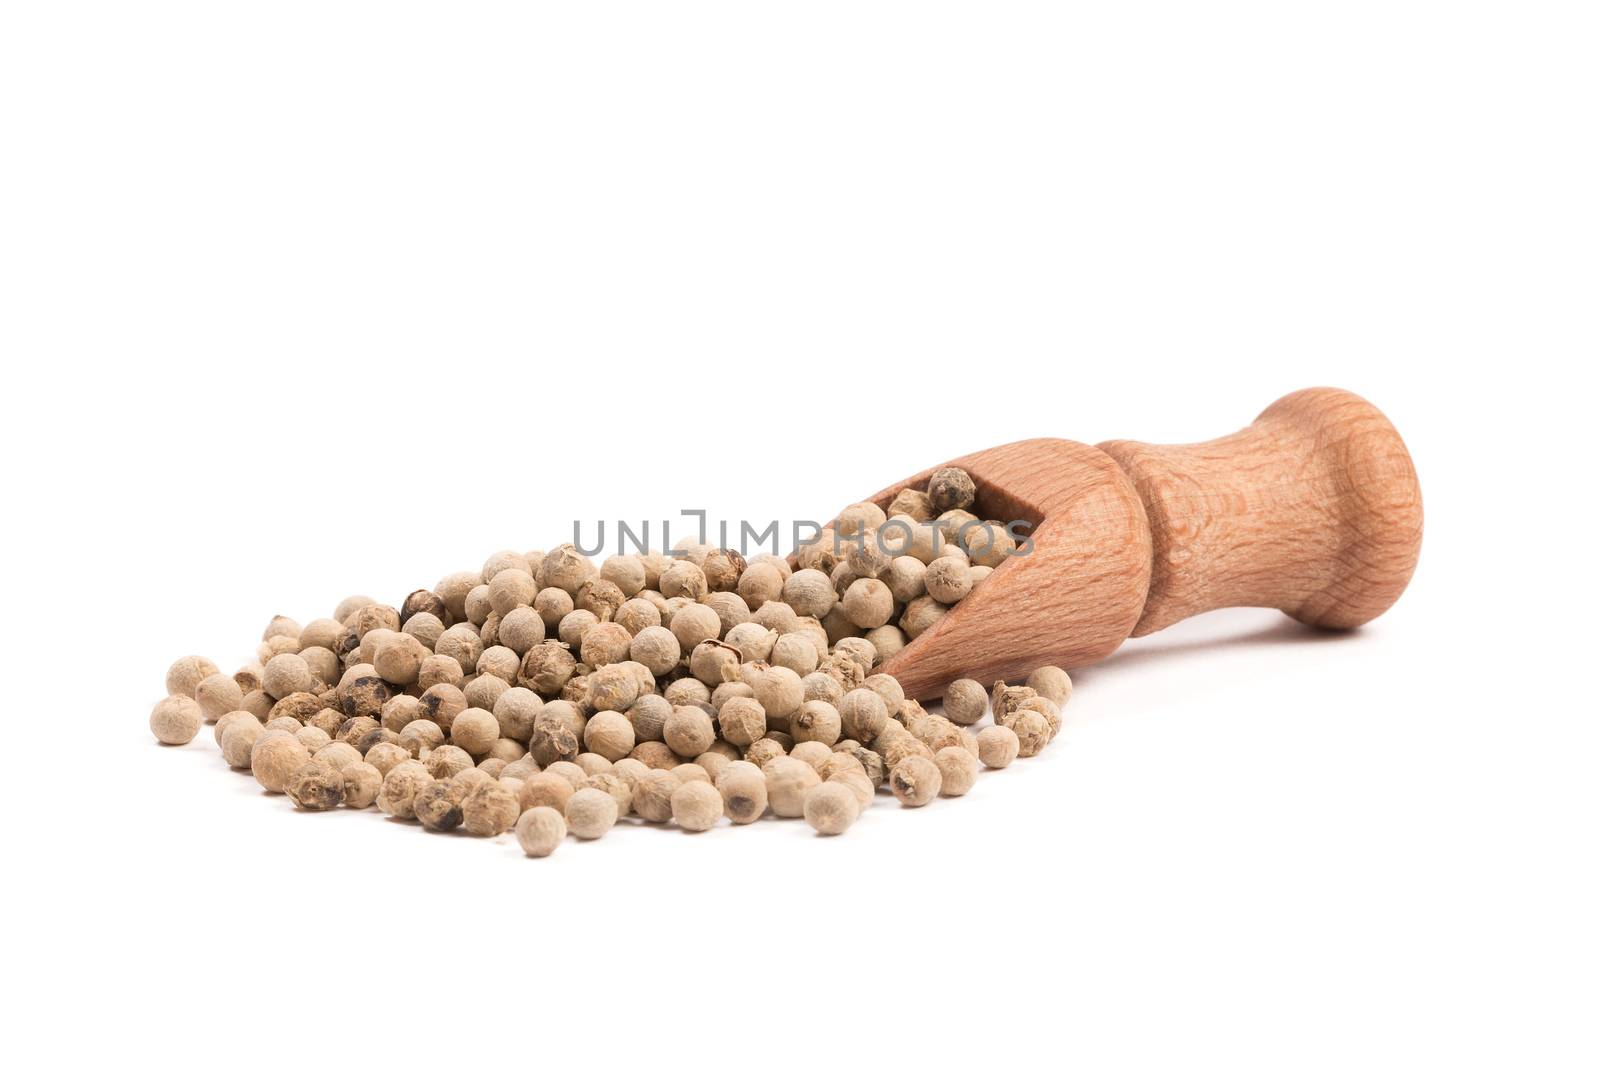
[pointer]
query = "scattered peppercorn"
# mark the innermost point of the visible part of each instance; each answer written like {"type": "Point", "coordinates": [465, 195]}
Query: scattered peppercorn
{"type": "Point", "coordinates": [544, 693]}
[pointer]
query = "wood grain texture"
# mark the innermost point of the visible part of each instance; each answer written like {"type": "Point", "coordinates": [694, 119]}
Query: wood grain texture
{"type": "Point", "coordinates": [1313, 509]}
{"type": "Point", "coordinates": [1071, 600]}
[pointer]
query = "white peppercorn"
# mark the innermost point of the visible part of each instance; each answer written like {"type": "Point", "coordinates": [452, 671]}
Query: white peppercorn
{"type": "Point", "coordinates": [788, 782]}
{"type": "Point", "coordinates": [810, 592]}
{"type": "Point", "coordinates": [352, 604]}
{"type": "Point", "coordinates": [696, 806]}
{"type": "Point", "coordinates": [360, 782]}
{"type": "Point", "coordinates": [490, 810]}
{"type": "Point", "coordinates": [437, 669]}
{"type": "Point", "coordinates": [753, 641]}
{"type": "Point", "coordinates": [950, 488]}
{"type": "Point", "coordinates": [314, 738]}
{"type": "Point", "coordinates": [713, 662]}
{"type": "Point", "coordinates": [384, 756]}
{"type": "Point", "coordinates": [397, 797]}
{"type": "Point", "coordinates": [601, 598]}
{"type": "Point", "coordinates": [988, 543]}
{"type": "Point", "coordinates": [815, 720]}
{"type": "Point", "coordinates": [913, 504]}
{"type": "Point", "coordinates": [695, 623]}
{"type": "Point", "coordinates": [540, 831]}
{"type": "Point", "coordinates": [186, 674]}
{"type": "Point", "coordinates": [831, 808]}
{"type": "Point", "coordinates": [1007, 699]}
{"type": "Point", "coordinates": [742, 720]}
{"type": "Point", "coordinates": [921, 615]}
{"type": "Point", "coordinates": [688, 731]}
{"type": "Point", "coordinates": [421, 734]}
{"type": "Point", "coordinates": [320, 633]}
{"type": "Point", "coordinates": [610, 734]}
{"type": "Point", "coordinates": [275, 757]}
{"type": "Point", "coordinates": [546, 789]}
{"type": "Point", "coordinates": [637, 615]}
{"type": "Point", "coordinates": [723, 568]}
{"type": "Point", "coordinates": [438, 805]}
{"type": "Point", "coordinates": [652, 795]}
{"type": "Point", "coordinates": [1052, 683]}
{"type": "Point", "coordinates": [505, 750]}
{"type": "Point", "coordinates": [863, 714]}
{"type": "Point", "coordinates": [315, 786]}
{"type": "Point", "coordinates": [779, 689]}
{"type": "Point", "coordinates": [858, 517]}
{"type": "Point", "coordinates": [475, 729]}
{"type": "Point", "coordinates": [813, 752]}
{"type": "Point", "coordinates": [948, 579]}
{"type": "Point", "coordinates": [778, 617]}
{"type": "Point", "coordinates": [447, 761]}
{"type": "Point", "coordinates": [886, 641]}
{"type": "Point", "coordinates": [217, 694]}
{"type": "Point", "coordinates": [655, 755]}
{"type": "Point", "coordinates": [565, 568]}
{"type": "Point", "coordinates": [287, 673]}
{"type": "Point", "coordinates": [868, 603]}
{"type": "Point", "coordinates": [574, 625]}
{"type": "Point", "coordinates": [1032, 731]}
{"type": "Point", "coordinates": [763, 751]}
{"type": "Point", "coordinates": [1046, 710]}
{"type": "Point", "coordinates": [590, 813]}
{"type": "Point", "coordinates": [906, 578]}
{"type": "Point", "coordinates": [965, 701]}
{"type": "Point", "coordinates": [743, 788]}
{"type": "Point", "coordinates": [605, 642]}
{"type": "Point", "coordinates": [997, 746]}
{"type": "Point", "coordinates": [760, 583]}
{"type": "Point", "coordinates": [958, 770]}
{"type": "Point", "coordinates": [552, 605]}
{"type": "Point", "coordinates": [175, 720]}
{"type": "Point", "coordinates": [819, 685]}
{"type": "Point", "coordinates": [238, 741]}
{"type": "Point", "coordinates": [915, 780]}
{"type": "Point", "coordinates": [684, 578]}
{"type": "Point", "coordinates": [627, 573]}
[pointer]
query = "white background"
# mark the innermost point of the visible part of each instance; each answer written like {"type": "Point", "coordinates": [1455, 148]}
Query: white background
{"type": "Point", "coordinates": [321, 298]}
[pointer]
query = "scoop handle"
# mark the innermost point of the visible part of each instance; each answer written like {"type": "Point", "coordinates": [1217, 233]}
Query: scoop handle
{"type": "Point", "coordinates": [1313, 509]}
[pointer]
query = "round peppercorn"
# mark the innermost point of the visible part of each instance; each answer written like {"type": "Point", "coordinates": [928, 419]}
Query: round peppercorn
{"type": "Point", "coordinates": [361, 782]}
{"type": "Point", "coordinates": [997, 746]}
{"type": "Point", "coordinates": [540, 831]}
{"type": "Point", "coordinates": [965, 702]}
{"type": "Point", "coordinates": [186, 674]}
{"type": "Point", "coordinates": [831, 808]}
{"type": "Point", "coordinates": [315, 786]}
{"type": "Point", "coordinates": [610, 734]}
{"type": "Point", "coordinates": [915, 780]}
{"type": "Point", "coordinates": [175, 720]}
{"type": "Point", "coordinates": [591, 812]}
{"type": "Point", "coordinates": [788, 782]}
{"type": "Point", "coordinates": [1032, 731]}
{"type": "Point", "coordinates": [951, 489]}
{"type": "Point", "coordinates": [743, 720]}
{"type": "Point", "coordinates": [475, 730]}
{"type": "Point", "coordinates": [958, 770]}
{"type": "Point", "coordinates": [863, 714]}
{"type": "Point", "coordinates": [438, 805]}
{"type": "Point", "coordinates": [688, 731]}
{"type": "Point", "coordinates": [274, 758]}
{"type": "Point", "coordinates": [696, 806]}
{"type": "Point", "coordinates": [1051, 683]}
{"type": "Point", "coordinates": [490, 809]}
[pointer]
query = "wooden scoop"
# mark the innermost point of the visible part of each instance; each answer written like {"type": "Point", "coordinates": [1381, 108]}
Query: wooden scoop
{"type": "Point", "coordinates": [1313, 509]}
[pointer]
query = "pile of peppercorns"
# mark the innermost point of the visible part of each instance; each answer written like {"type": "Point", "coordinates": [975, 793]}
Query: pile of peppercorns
{"type": "Point", "coordinates": [550, 696]}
